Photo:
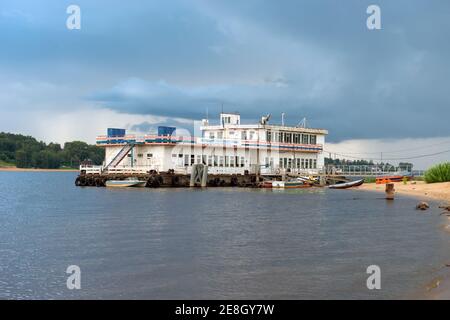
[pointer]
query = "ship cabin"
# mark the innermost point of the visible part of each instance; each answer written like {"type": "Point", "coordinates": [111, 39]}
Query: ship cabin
{"type": "Point", "coordinates": [226, 147]}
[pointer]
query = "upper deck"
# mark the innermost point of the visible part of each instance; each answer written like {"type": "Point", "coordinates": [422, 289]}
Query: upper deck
{"type": "Point", "coordinates": [106, 141]}
{"type": "Point", "coordinates": [231, 133]}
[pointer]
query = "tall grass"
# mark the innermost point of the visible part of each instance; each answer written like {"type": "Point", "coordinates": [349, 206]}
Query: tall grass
{"type": "Point", "coordinates": [438, 173]}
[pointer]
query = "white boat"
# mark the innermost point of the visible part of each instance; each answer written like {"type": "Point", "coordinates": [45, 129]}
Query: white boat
{"type": "Point", "coordinates": [290, 184]}
{"type": "Point", "coordinates": [347, 184]}
{"type": "Point", "coordinates": [130, 182]}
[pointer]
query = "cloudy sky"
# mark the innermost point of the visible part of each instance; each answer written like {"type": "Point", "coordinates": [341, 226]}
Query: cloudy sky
{"type": "Point", "coordinates": [144, 63]}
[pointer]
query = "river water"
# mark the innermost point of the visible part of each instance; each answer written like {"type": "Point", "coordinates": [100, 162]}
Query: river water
{"type": "Point", "coordinates": [218, 243]}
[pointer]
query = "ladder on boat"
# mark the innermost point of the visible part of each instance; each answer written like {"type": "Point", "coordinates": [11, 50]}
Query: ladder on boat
{"type": "Point", "coordinates": [119, 156]}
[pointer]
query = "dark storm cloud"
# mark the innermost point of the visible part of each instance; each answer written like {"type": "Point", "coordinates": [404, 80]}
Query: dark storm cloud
{"type": "Point", "coordinates": [305, 58]}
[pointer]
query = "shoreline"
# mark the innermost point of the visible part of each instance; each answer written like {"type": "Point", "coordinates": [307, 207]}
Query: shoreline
{"type": "Point", "coordinates": [15, 169]}
{"type": "Point", "coordinates": [437, 288]}
{"type": "Point", "coordinates": [436, 191]}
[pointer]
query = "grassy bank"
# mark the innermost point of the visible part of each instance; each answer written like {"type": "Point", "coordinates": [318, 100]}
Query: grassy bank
{"type": "Point", "coordinates": [4, 164]}
{"type": "Point", "coordinates": [438, 173]}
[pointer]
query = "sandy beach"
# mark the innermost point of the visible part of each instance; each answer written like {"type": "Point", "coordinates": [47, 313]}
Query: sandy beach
{"type": "Point", "coordinates": [438, 288]}
{"type": "Point", "coordinates": [419, 189]}
{"type": "Point", "coordinates": [14, 169]}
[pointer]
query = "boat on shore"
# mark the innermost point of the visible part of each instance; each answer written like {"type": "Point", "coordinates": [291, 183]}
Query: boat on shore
{"type": "Point", "coordinates": [347, 185]}
{"type": "Point", "coordinates": [127, 183]}
{"type": "Point", "coordinates": [390, 179]}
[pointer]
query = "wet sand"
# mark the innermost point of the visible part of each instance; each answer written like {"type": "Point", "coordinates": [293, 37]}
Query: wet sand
{"type": "Point", "coordinates": [437, 191]}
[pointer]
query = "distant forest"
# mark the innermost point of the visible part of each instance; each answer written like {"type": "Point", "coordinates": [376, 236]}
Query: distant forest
{"type": "Point", "coordinates": [26, 152]}
{"type": "Point", "coordinates": [341, 162]}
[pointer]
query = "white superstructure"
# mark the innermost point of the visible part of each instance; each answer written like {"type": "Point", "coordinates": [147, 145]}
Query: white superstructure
{"type": "Point", "coordinates": [229, 147]}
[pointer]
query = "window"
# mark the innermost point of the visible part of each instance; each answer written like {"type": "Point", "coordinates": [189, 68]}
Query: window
{"type": "Point", "coordinates": [277, 136]}
{"type": "Point", "coordinates": [285, 163]}
{"type": "Point", "coordinates": [220, 135]}
{"type": "Point", "coordinates": [174, 155]}
{"type": "Point", "coordinates": [289, 163]}
{"type": "Point", "coordinates": [211, 135]}
{"type": "Point", "coordinates": [310, 163]}
{"type": "Point", "coordinates": [149, 155]}
{"type": "Point", "coordinates": [227, 161]}
{"type": "Point", "coordinates": [280, 163]}
{"type": "Point", "coordinates": [186, 160]}
{"type": "Point", "coordinates": [244, 135]}
{"type": "Point", "coordinates": [315, 164]}
{"type": "Point", "coordinates": [303, 163]}
{"type": "Point", "coordinates": [305, 138]}
{"type": "Point", "coordinates": [216, 161]}
{"type": "Point", "coordinates": [140, 155]}
{"type": "Point", "coordinates": [242, 161]}
{"type": "Point", "coordinates": [192, 159]}
{"type": "Point", "coordinates": [210, 161]}
{"type": "Point", "coordinates": [313, 139]}
{"type": "Point", "coordinates": [268, 135]}
{"type": "Point", "coordinates": [288, 137]}
{"type": "Point", "coordinates": [231, 161]}
{"type": "Point", "coordinates": [252, 135]}
{"type": "Point", "coordinates": [199, 159]}
{"type": "Point", "coordinates": [221, 161]}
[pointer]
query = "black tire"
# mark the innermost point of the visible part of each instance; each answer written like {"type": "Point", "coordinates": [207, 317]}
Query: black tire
{"type": "Point", "coordinates": [78, 182]}
{"type": "Point", "coordinates": [175, 181]}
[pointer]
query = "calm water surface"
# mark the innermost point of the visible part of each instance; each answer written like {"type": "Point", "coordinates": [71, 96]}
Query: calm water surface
{"type": "Point", "coordinates": [210, 244]}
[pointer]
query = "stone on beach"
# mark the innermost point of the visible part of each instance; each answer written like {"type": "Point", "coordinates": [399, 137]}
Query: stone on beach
{"type": "Point", "coordinates": [422, 206]}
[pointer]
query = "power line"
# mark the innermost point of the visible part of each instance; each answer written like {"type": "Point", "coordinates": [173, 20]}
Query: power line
{"type": "Point", "coordinates": [400, 150]}
{"type": "Point", "coordinates": [402, 158]}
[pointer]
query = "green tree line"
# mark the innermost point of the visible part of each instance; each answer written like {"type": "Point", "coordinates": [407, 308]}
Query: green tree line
{"type": "Point", "coordinates": [340, 162]}
{"type": "Point", "coordinates": [26, 152]}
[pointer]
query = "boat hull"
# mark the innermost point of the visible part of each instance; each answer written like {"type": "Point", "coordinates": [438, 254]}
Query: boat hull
{"type": "Point", "coordinates": [125, 184]}
{"type": "Point", "coordinates": [347, 184]}
{"type": "Point", "coordinates": [289, 184]}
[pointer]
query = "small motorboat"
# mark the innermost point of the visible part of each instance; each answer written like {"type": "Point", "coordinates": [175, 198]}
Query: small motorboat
{"type": "Point", "coordinates": [130, 182]}
{"type": "Point", "coordinates": [347, 185]}
{"type": "Point", "coordinates": [290, 184]}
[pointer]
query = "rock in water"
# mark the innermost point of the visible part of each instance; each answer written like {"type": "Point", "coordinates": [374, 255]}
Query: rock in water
{"type": "Point", "coordinates": [422, 206]}
{"type": "Point", "coordinates": [447, 208]}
